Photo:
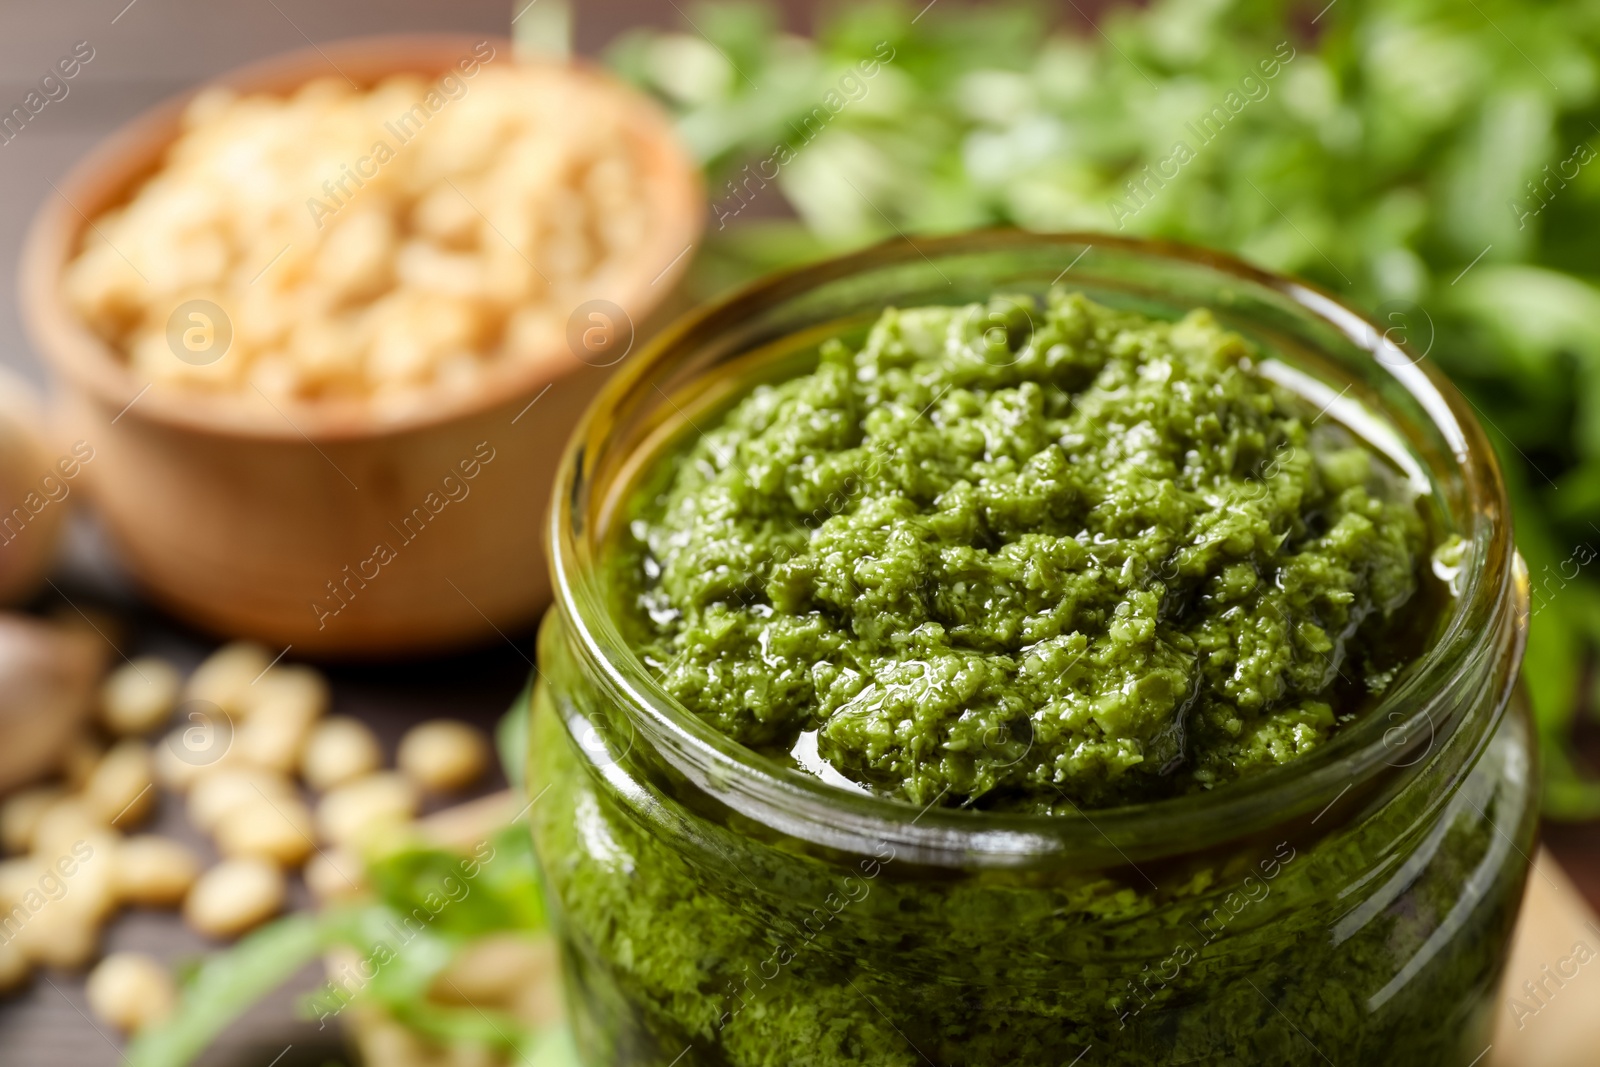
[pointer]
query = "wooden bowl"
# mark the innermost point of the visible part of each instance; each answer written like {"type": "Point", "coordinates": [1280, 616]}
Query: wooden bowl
{"type": "Point", "coordinates": [319, 524]}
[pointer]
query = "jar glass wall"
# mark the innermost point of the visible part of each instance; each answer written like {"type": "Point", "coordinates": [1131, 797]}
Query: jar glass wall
{"type": "Point", "coordinates": [1354, 905]}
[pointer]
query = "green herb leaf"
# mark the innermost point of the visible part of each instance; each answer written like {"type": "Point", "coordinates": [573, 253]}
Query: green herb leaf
{"type": "Point", "coordinates": [226, 984]}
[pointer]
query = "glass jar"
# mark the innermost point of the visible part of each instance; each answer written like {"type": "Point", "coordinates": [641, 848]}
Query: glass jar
{"type": "Point", "coordinates": [1353, 906]}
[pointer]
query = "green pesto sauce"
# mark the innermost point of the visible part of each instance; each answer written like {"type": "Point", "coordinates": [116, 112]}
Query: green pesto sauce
{"type": "Point", "coordinates": [1025, 558]}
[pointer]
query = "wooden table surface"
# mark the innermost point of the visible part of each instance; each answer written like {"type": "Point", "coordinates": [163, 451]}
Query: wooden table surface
{"type": "Point", "coordinates": [144, 51]}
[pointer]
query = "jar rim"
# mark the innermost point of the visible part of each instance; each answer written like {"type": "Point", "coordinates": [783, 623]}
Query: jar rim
{"type": "Point", "coordinates": [1487, 614]}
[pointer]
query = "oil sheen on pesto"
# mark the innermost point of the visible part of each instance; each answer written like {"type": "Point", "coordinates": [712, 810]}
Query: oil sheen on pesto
{"type": "Point", "coordinates": [1023, 558]}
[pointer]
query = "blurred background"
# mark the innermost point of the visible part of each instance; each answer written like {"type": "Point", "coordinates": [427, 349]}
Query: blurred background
{"type": "Point", "coordinates": [1426, 161]}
